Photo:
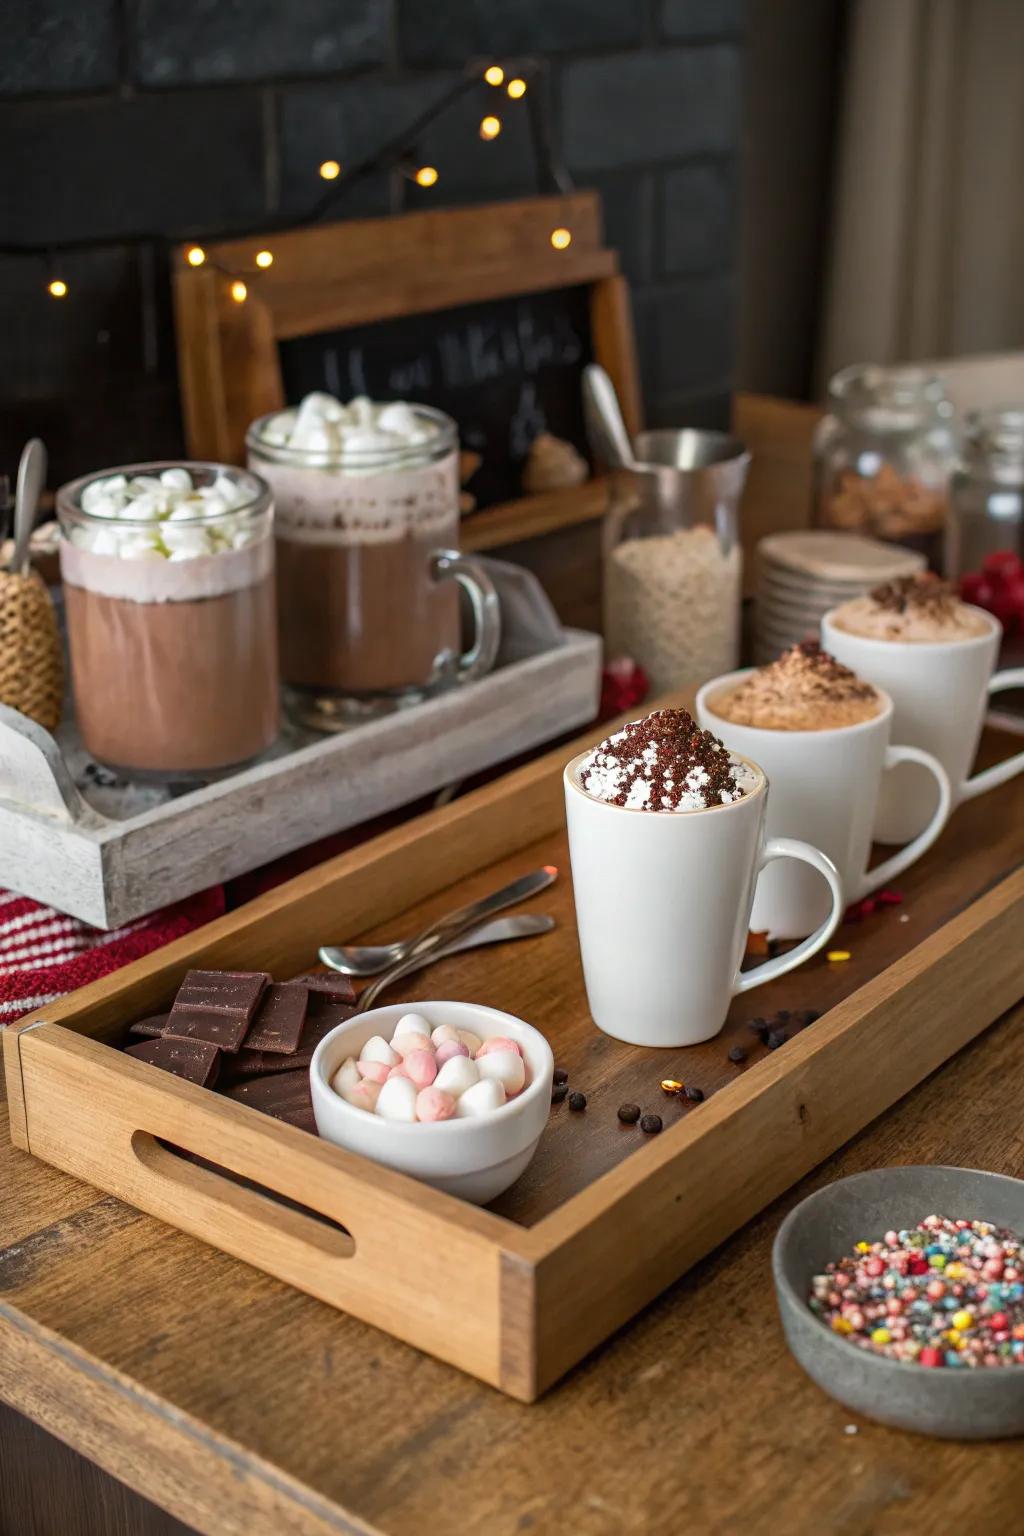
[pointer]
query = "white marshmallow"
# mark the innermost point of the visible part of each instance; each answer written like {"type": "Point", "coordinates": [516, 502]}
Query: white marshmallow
{"type": "Point", "coordinates": [504, 1067]}
{"type": "Point", "coordinates": [399, 419]}
{"type": "Point", "coordinates": [413, 1024]}
{"type": "Point", "coordinates": [347, 1077]}
{"type": "Point", "coordinates": [177, 479]}
{"type": "Point", "coordinates": [470, 1041]}
{"type": "Point", "coordinates": [445, 1032]}
{"type": "Point", "coordinates": [377, 1049]}
{"type": "Point", "coordinates": [482, 1099]}
{"type": "Point", "coordinates": [457, 1075]}
{"type": "Point", "coordinates": [397, 1099]}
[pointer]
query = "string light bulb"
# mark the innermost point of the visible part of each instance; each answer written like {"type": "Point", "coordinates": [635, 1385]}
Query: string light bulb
{"type": "Point", "coordinates": [490, 127]}
{"type": "Point", "coordinates": [330, 170]}
{"type": "Point", "coordinates": [264, 259]}
{"type": "Point", "coordinates": [239, 292]}
{"type": "Point", "coordinates": [516, 88]}
{"type": "Point", "coordinates": [426, 176]}
{"type": "Point", "coordinates": [195, 256]}
{"type": "Point", "coordinates": [561, 238]}
{"type": "Point", "coordinates": [494, 74]}
{"type": "Point", "coordinates": [57, 288]}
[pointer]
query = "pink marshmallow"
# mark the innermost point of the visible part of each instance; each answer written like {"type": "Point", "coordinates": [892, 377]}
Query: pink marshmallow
{"type": "Point", "coordinates": [375, 1071]}
{"type": "Point", "coordinates": [421, 1067]}
{"type": "Point", "coordinates": [405, 1044]}
{"type": "Point", "coordinates": [398, 1071]}
{"type": "Point", "coordinates": [434, 1104]}
{"type": "Point", "coordinates": [498, 1043]}
{"type": "Point", "coordinates": [449, 1049]}
{"type": "Point", "coordinates": [365, 1096]}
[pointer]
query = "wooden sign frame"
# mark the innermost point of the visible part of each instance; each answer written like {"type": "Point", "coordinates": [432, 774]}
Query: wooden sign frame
{"type": "Point", "coordinates": [356, 272]}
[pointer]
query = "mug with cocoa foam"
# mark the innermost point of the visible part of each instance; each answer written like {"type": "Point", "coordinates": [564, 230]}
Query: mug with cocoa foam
{"type": "Point", "coordinates": [822, 735]}
{"type": "Point", "coordinates": [368, 569]}
{"type": "Point", "coordinates": [168, 573]}
{"type": "Point", "coordinates": [934, 655]}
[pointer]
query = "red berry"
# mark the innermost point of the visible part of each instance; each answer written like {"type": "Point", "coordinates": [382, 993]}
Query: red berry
{"type": "Point", "coordinates": [930, 1356]}
{"type": "Point", "coordinates": [971, 585]}
{"type": "Point", "coordinates": [1002, 607]}
{"type": "Point", "coordinates": [984, 593]}
{"type": "Point", "coordinates": [1002, 564]}
{"type": "Point", "coordinates": [1015, 593]}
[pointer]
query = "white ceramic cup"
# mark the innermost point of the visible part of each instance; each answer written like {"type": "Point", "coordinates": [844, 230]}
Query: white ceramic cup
{"type": "Point", "coordinates": [940, 690]}
{"type": "Point", "coordinates": [824, 785]}
{"type": "Point", "coordinates": [663, 905]}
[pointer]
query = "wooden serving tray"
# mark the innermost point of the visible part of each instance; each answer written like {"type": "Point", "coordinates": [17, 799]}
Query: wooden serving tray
{"type": "Point", "coordinates": [605, 1217]}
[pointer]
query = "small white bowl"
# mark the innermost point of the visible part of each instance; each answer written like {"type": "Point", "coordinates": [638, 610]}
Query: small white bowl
{"type": "Point", "coordinates": [475, 1158]}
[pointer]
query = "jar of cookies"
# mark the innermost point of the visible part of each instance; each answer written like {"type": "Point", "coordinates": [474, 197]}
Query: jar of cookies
{"type": "Point", "coordinates": [884, 455]}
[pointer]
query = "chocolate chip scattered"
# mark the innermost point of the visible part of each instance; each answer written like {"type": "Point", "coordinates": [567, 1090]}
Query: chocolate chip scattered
{"type": "Point", "coordinates": [775, 1038]}
{"type": "Point", "coordinates": [629, 1114]}
{"type": "Point", "coordinates": [561, 1075]}
{"type": "Point", "coordinates": [651, 1124]}
{"type": "Point", "coordinates": [577, 1101]}
{"type": "Point", "coordinates": [558, 1092]}
{"type": "Point", "coordinates": [808, 1016]}
{"type": "Point", "coordinates": [783, 1015]}
{"type": "Point", "coordinates": [759, 1026]}
{"type": "Point", "coordinates": [695, 1095]}
{"type": "Point", "coordinates": [737, 1054]}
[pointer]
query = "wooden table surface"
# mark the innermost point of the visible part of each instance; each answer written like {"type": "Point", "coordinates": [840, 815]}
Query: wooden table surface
{"type": "Point", "coordinates": [242, 1406]}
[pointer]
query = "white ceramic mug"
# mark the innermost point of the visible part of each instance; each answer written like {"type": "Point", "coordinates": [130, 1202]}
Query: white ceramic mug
{"type": "Point", "coordinates": [940, 690]}
{"type": "Point", "coordinates": [824, 785]}
{"type": "Point", "coordinates": [663, 906]}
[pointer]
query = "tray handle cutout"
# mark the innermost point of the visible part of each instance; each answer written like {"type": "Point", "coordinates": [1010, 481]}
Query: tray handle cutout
{"type": "Point", "coordinates": [254, 1209]}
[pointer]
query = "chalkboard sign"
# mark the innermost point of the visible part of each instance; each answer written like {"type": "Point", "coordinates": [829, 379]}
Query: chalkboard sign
{"type": "Point", "coordinates": [504, 370]}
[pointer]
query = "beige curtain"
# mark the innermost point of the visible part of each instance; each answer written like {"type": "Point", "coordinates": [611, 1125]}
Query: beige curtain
{"type": "Point", "coordinates": [927, 249]}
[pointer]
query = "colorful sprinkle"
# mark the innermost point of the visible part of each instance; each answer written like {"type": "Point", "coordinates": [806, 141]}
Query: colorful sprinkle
{"type": "Point", "coordinates": [838, 954]}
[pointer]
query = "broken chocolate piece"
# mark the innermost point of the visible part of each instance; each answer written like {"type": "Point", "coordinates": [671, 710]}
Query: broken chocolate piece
{"type": "Point", "coordinates": [330, 984]}
{"type": "Point", "coordinates": [278, 1025]}
{"type": "Point", "coordinates": [150, 1028]}
{"type": "Point", "coordinates": [216, 1006]}
{"type": "Point", "coordinates": [285, 1095]}
{"type": "Point", "coordinates": [195, 1060]}
{"type": "Point", "coordinates": [250, 1063]}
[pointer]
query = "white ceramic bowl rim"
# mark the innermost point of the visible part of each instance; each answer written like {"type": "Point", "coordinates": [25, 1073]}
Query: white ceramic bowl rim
{"type": "Point", "coordinates": [450, 1128]}
{"type": "Point", "coordinates": [994, 628]}
{"type": "Point", "coordinates": [571, 778]}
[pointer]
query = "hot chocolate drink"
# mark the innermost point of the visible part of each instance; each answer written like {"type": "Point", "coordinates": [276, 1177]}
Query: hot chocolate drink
{"type": "Point", "coordinates": [665, 763]}
{"type": "Point", "coordinates": [169, 586]}
{"type": "Point", "coordinates": [914, 609]}
{"type": "Point", "coordinates": [806, 689]}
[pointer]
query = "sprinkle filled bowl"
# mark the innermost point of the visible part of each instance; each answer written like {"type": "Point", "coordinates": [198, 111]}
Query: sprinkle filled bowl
{"type": "Point", "coordinates": [979, 1403]}
{"type": "Point", "coordinates": [476, 1157]}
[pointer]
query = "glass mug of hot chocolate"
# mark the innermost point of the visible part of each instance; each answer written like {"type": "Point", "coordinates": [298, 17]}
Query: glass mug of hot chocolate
{"type": "Point", "coordinates": [934, 655]}
{"type": "Point", "coordinates": [822, 735]}
{"type": "Point", "coordinates": [168, 573]}
{"type": "Point", "coordinates": [368, 570]}
{"type": "Point", "coordinates": [667, 837]}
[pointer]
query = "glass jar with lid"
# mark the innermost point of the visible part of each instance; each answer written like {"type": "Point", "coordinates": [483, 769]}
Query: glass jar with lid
{"type": "Point", "coordinates": [883, 457]}
{"type": "Point", "coordinates": [987, 497]}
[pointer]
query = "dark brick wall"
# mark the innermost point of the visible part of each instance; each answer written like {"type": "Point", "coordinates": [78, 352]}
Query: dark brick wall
{"type": "Point", "coordinates": [201, 117]}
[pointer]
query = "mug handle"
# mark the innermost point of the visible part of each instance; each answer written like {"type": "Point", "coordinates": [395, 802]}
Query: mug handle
{"type": "Point", "coordinates": [871, 879]}
{"type": "Point", "coordinates": [1000, 772]}
{"type": "Point", "coordinates": [483, 600]}
{"type": "Point", "coordinates": [791, 848]}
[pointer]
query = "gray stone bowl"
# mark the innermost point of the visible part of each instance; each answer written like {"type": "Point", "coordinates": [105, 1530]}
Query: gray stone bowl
{"type": "Point", "coordinates": [954, 1404]}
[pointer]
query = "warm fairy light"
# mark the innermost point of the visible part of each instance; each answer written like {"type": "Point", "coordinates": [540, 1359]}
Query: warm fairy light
{"type": "Point", "coordinates": [264, 259]}
{"type": "Point", "coordinates": [494, 74]}
{"type": "Point", "coordinates": [330, 170]}
{"type": "Point", "coordinates": [57, 288]}
{"type": "Point", "coordinates": [426, 176]}
{"type": "Point", "coordinates": [196, 256]}
{"type": "Point", "coordinates": [490, 127]}
{"type": "Point", "coordinates": [239, 292]}
{"type": "Point", "coordinates": [516, 88]}
{"type": "Point", "coordinates": [561, 239]}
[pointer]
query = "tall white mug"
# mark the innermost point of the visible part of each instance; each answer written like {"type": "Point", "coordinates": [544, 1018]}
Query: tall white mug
{"type": "Point", "coordinates": [940, 690]}
{"type": "Point", "coordinates": [663, 905]}
{"type": "Point", "coordinates": [824, 785]}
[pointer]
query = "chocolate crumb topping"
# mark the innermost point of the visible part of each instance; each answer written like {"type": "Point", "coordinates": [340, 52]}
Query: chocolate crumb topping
{"type": "Point", "coordinates": [664, 763]}
{"type": "Point", "coordinates": [927, 594]}
{"type": "Point", "coordinates": [806, 689]}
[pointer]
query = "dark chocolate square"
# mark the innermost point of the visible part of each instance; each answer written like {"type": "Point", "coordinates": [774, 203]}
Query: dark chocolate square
{"type": "Point", "coordinates": [217, 1006]}
{"type": "Point", "coordinates": [195, 1060]}
{"type": "Point", "coordinates": [152, 1027]}
{"type": "Point", "coordinates": [284, 1095]}
{"type": "Point", "coordinates": [278, 1025]}
{"type": "Point", "coordinates": [329, 984]}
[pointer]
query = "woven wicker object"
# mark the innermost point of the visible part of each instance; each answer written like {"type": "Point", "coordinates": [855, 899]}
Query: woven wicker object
{"type": "Point", "coordinates": [31, 664]}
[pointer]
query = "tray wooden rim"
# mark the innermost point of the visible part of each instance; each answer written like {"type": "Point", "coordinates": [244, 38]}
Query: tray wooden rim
{"type": "Point", "coordinates": [540, 1264]}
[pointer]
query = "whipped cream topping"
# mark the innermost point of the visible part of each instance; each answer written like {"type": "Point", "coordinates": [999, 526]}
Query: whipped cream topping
{"type": "Point", "coordinates": [806, 689]}
{"type": "Point", "coordinates": [913, 608]}
{"type": "Point", "coordinates": [165, 516]}
{"type": "Point", "coordinates": [665, 762]}
{"type": "Point", "coordinates": [332, 432]}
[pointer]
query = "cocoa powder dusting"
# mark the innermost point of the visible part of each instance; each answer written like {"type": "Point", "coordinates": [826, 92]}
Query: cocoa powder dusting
{"type": "Point", "coordinates": [927, 594]}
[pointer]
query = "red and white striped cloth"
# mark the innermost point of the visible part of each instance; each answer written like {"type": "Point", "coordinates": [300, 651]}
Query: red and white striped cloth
{"type": "Point", "coordinates": [44, 955]}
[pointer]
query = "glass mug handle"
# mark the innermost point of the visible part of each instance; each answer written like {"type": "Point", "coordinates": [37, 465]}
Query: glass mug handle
{"type": "Point", "coordinates": [991, 777]}
{"type": "Point", "coordinates": [446, 564]}
{"type": "Point", "coordinates": [792, 848]}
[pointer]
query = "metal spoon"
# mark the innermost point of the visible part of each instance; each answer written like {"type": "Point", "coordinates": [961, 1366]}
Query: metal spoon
{"type": "Point", "coordinates": [31, 479]}
{"type": "Point", "coordinates": [526, 926]}
{"type": "Point", "coordinates": [371, 959]}
{"type": "Point", "coordinates": [604, 418]}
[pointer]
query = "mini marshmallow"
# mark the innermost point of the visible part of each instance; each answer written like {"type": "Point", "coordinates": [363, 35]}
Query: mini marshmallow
{"type": "Point", "coordinates": [434, 1104]}
{"type": "Point", "coordinates": [365, 1096]}
{"type": "Point", "coordinates": [457, 1075]}
{"type": "Point", "coordinates": [399, 419]}
{"type": "Point", "coordinates": [498, 1043]}
{"type": "Point", "coordinates": [449, 1049]}
{"type": "Point", "coordinates": [397, 1100]}
{"type": "Point", "coordinates": [481, 1099]}
{"type": "Point", "coordinates": [377, 1049]}
{"type": "Point", "coordinates": [443, 1034]}
{"type": "Point", "coordinates": [504, 1067]}
{"type": "Point", "coordinates": [413, 1024]}
{"type": "Point", "coordinates": [346, 1078]}
{"type": "Point", "coordinates": [421, 1067]}
{"type": "Point", "coordinates": [470, 1041]}
{"type": "Point", "coordinates": [398, 1071]}
{"type": "Point", "coordinates": [376, 1071]}
{"type": "Point", "coordinates": [404, 1045]}
{"type": "Point", "coordinates": [176, 479]}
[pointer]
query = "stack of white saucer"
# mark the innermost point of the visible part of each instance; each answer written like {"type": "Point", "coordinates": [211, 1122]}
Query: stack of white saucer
{"type": "Point", "coordinates": [802, 575]}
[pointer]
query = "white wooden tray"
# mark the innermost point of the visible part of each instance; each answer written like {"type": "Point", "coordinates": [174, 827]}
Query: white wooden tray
{"type": "Point", "coordinates": [108, 850]}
